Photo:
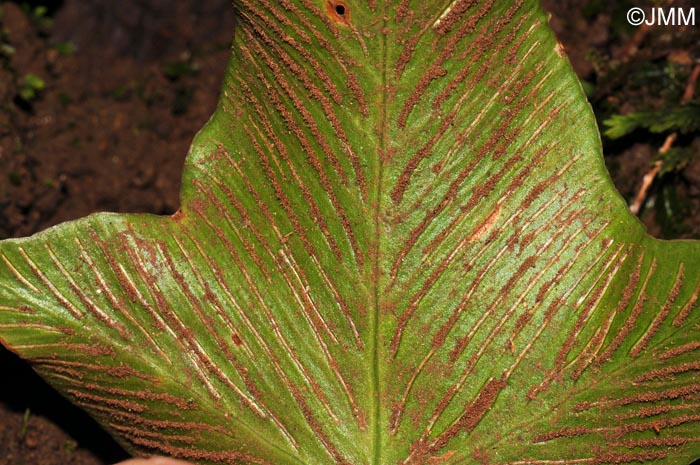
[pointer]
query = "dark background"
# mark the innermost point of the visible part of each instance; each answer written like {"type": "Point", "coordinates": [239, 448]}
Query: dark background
{"type": "Point", "coordinates": [127, 83]}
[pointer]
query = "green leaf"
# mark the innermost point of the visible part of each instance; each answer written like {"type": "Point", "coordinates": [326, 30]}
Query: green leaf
{"type": "Point", "coordinates": [398, 244]}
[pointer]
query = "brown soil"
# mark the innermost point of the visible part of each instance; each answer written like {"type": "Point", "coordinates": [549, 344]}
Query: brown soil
{"type": "Point", "coordinates": [112, 126]}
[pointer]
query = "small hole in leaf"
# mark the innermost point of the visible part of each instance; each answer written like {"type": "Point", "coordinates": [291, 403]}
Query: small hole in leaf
{"type": "Point", "coordinates": [338, 11]}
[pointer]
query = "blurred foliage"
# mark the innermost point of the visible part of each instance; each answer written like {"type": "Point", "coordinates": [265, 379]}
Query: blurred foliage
{"type": "Point", "coordinates": [30, 87]}
{"type": "Point", "coordinates": [670, 208]}
{"type": "Point", "coordinates": [180, 68]}
{"type": "Point", "coordinates": [39, 15]}
{"type": "Point", "coordinates": [675, 160]}
{"type": "Point", "coordinates": [65, 48]}
{"type": "Point", "coordinates": [683, 119]}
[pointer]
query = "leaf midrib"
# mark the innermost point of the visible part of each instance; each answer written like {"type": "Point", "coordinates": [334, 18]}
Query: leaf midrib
{"type": "Point", "coordinates": [376, 416]}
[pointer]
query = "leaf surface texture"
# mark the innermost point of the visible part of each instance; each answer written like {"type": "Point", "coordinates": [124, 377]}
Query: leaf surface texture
{"type": "Point", "coordinates": [398, 244]}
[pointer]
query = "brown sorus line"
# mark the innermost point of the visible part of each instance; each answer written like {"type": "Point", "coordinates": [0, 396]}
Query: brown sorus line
{"type": "Point", "coordinates": [617, 431]}
{"type": "Point", "coordinates": [424, 152]}
{"type": "Point", "coordinates": [188, 453]}
{"type": "Point", "coordinates": [562, 223]}
{"type": "Point", "coordinates": [668, 372]}
{"type": "Point", "coordinates": [134, 431]}
{"type": "Point", "coordinates": [631, 320]}
{"type": "Point", "coordinates": [287, 348]}
{"type": "Point", "coordinates": [446, 123]}
{"type": "Point", "coordinates": [316, 428]}
{"type": "Point", "coordinates": [274, 11]}
{"type": "Point", "coordinates": [282, 198]}
{"type": "Point", "coordinates": [662, 315]}
{"type": "Point", "coordinates": [480, 193]}
{"type": "Point", "coordinates": [652, 442]}
{"type": "Point", "coordinates": [59, 372]}
{"type": "Point", "coordinates": [239, 367]}
{"type": "Point", "coordinates": [139, 419]}
{"type": "Point", "coordinates": [311, 157]}
{"type": "Point", "coordinates": [211, 326]}
{"type": "Point", "coordinates": [496, 144]}
{"type": "Point", "coordinates": [646, 397]}
{"type": "Point", "coordinates": [560, 360]}
{"type": "Point", "coordinates": [212, 299]}
{"type": "Point", "coordinates": [121, 371]}
{"type": "Point", "coordinates": [471, 417]}
{"type": "Point", "coordinates": [655, 396]}
{"type": "Point", "coordinates": [402, 11]}
{"type": "Point", "coordinates": [93, 350]}
{"type": "Point", "coordinates": [627, 457]}
{"type": "Point", "coordinates": [26, 309]}
{"type": "Point", "coordinates": [129, 406]}
{"type": "Point", "coordinates": [116, 301]}
{"type": "Point", "coordinates": [132, 293]}
{"type": "Point", "coordinates": [510, 95]}
{"type": "Point", "coordinates": [328, 83]}
{"type": "Point", "coordinates": [223, 212]}
{"type": "Point", "coordinates": [183, 333]}
{"type": "Point", "coordinates": [440, 336]}
{"type": "Point", "coordinates": [645, 412]}
{"type": "Point", "coordinates": [280, 78]}
{"type": "Point", "coordinates": [552, 309]}
{"type": "Point", "coordinates": [405, 55]}
{"type": "Point", "coordinates": [415, 301]}
{"type": "Point", "coordinates": [315, 319]}
{"type": "Point", "coordinates": [458, 9]}
{"type": "Point", "coordinates": [273, 358]}
{"type": "Point", "coordinates": [17, 274]}
{"type": "Point", "coordinates": [517, 180]}
{"type": "Point", "coordinates": [407, 314]}
{"type": "Point", "coordinates": [329, 111]}
{"type": "Point", "coordinates": [317, 13]}
{"type": "Point", "coordinates": [462, 343]}
{"type": "Point", "coordinates": [249, 224]}
{"type": "Point", "coordinates": [680, 350]}
{"type": "Point", "coordinates": [46, 282]}
{"type": "Point", "coordinates": [114, 264]}
{"type": "Point", "coordinates": [144, 394]}
{"type": "Point", "coordinates": [123, 332]}
{"type": "Point", "coordinates": [422, 226]}
{"type": "Point", "coordinates": [317, 324]}
{"type": "Point", "coordinates": [685, 312]}
{"type": "Point", "coordinates": [352, 82]}
{"type": "Point", "coordinates": [483, 42]}
{"type": "Point", "coordinates": [126, 285]}
{"type": "Point", "coordinates": [436, 70]}
{"type": "Point", "coordinates": [587, 355]}
{"type": "Point", "coordinates": [263, 207]}
{"type": "Point", "coordinates": [565, 432]}
{"type": "Point", "coordinates": [628, 292]}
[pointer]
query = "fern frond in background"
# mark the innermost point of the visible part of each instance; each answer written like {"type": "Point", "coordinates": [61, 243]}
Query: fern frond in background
{"type": "Point", "coordinates": [683, 119]}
